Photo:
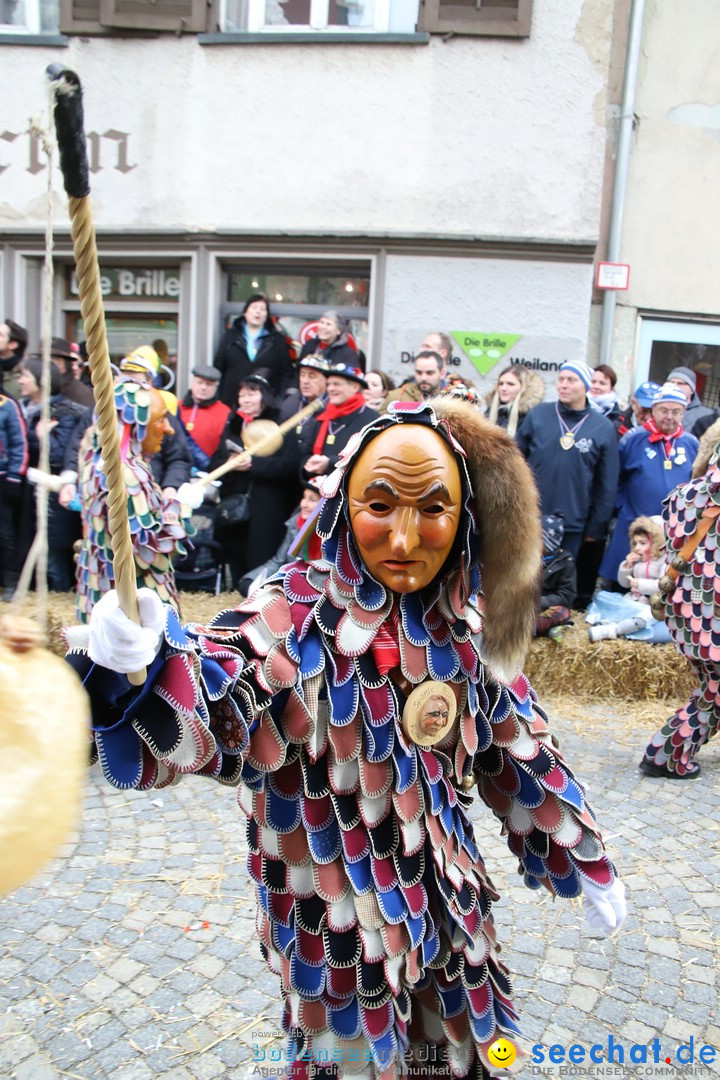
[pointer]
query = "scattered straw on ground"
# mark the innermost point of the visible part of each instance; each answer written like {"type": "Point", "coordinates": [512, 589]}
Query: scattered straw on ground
{"type": "Point", "coordinates": [620, 670]}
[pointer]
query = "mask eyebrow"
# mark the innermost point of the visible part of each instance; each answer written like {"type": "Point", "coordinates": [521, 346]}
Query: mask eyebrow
{"type": "Point", "coordinates": [381, 485]}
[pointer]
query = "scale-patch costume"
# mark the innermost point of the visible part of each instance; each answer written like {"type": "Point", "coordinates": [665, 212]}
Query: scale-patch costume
{"type": "Point", "coordinates": [691, 613]}
{"type": "Point", "coordinates": [373, 902]}
{"type": "Point", "coordinates": [156, 524]}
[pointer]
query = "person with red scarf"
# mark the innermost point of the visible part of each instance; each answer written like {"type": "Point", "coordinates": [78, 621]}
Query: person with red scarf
{"type": "Point", "coordinates": [654, 459]}
{"type": "Point", "coordinates": [325, 435]}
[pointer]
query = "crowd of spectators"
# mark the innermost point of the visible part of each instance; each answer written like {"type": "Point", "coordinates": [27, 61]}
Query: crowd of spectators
{"type": "Point", "coordinates": [599, 465]}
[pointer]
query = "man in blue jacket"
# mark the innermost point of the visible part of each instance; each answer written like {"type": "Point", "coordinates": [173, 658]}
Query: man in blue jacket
{"type": "Point", "coordinates": [654, 459]}
{"type": "Point", "coordinates": [573, 453]}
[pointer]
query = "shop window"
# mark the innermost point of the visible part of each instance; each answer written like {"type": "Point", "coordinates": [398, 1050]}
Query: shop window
{"type": "Point", "coordinates": [114, 16]}
{"type": "Point", "coordinates": [29, 16]}
{"type": "Point", "coordinates": [298, 295]}
{"type": "Point", "coordinates": [490, 18]}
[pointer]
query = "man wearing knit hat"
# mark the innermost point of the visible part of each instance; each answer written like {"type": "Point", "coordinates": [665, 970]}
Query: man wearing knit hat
{"type": "Point", "coordinates": [654, 459]}
{"type": "Point", "coordinates": [686, 380]}
{"type": "Point", "coordinates": [572, 451]}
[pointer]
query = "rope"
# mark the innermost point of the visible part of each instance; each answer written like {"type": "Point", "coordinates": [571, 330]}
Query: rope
{"type": "Point", "coordinates": [72, 145]}
{"type": "Point", "coordinates": [91, 307]}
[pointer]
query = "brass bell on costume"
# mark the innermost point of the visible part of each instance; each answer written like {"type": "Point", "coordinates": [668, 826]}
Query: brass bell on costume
{"type": "Point", "coordinates": [657, 606]}
{"type": "Point", "coordinates": [666, 584]}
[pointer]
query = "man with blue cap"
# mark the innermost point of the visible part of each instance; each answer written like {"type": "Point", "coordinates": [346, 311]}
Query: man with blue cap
{"type": "Point", "coordinates": [638, 410]}
{"type": "Point", "coordinates": [654, 459]}
{"type": "Point", "coordinates": [572, 451]}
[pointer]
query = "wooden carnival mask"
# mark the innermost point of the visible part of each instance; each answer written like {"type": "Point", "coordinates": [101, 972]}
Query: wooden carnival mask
{"type": "Point", "coordinates": [404, 502]}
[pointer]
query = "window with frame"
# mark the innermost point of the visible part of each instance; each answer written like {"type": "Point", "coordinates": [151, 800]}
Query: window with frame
{"type": "Point", "coordinates": [312, 16]}
{"type": "Point", "coordinates": [29, 16]}
{"type": "Point", "coordinates": [490, 18]}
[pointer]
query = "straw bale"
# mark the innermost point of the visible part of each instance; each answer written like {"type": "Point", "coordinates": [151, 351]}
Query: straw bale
{"type": "Point", "coordinates": [623, 670]}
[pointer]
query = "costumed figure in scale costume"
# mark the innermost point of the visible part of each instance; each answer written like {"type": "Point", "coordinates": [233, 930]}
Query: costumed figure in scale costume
{"type": "Point", "coordinates": [356, 700]}
{"type": "Point", "coordinates": [158, 525]}
{"type": "Point", "coordinates": [689, 603]}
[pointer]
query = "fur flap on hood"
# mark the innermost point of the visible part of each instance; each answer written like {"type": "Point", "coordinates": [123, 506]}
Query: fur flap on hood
{"type": "Point", "coordinates": [508, 517]}
{"type": "Point", "coordinates": [709, 441]}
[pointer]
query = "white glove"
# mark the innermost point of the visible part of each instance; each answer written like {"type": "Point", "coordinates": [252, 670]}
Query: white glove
{"type": "Point", "coordinates": [605, 909]}
{"type": "Point", "coordinates": [191, 495]}
{"type": "Point", "coordinates": [118, 643]}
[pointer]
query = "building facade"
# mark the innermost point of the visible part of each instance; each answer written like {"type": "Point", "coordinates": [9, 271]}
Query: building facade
{"type": "Point", "coordinates": [418, 168]}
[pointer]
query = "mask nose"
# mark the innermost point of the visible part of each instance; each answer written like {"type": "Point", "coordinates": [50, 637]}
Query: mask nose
{"type": "Point", "coordinates": [405, 536]}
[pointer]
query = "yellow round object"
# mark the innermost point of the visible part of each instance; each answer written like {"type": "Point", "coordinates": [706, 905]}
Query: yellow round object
{"type": "Point", "coordinates": [44, 726]}
{"type": "Point", "coordinates": [262, 437]}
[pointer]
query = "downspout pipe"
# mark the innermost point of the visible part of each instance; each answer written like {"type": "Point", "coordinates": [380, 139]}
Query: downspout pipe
{"type": "Point", "coordinates": [622, 168]}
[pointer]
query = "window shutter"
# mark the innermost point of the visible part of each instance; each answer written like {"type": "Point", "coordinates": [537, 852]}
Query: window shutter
{"type": "Point", "coordinates": [491, 18]}
{"type": "Point", "coordinates": [180, 16]}
{"type": "Point", "coordinates": [80, 17]}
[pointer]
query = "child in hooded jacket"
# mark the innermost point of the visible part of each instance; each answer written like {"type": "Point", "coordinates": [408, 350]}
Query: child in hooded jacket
{"type": "Point", "coordinates": [639, 572]}
{"type": "Point", "coordinates": [559, 582]}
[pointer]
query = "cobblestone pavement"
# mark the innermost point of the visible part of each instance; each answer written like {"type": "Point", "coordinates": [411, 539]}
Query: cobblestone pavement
{"type": "Point", "coordinates": [134, 954]}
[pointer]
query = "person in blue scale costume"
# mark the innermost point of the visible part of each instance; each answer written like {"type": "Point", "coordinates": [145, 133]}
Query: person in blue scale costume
{"type": "Point", "coordinates": [357, 700]}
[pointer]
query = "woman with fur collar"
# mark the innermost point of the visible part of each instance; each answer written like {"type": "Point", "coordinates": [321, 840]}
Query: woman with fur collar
{"type": "Point", "coordinates": [373, 902]}
{"type": "Point", "coordinates": [516, 391]}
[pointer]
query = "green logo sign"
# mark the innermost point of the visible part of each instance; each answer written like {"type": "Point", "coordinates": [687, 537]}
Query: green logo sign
{"type": "Point", "coordinates": [482, 349]}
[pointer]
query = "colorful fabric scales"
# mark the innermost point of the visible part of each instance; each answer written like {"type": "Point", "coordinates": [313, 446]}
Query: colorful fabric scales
{"type": "Point", "coordinates": [692, 609]}
{"type": "Point", "coordinates": [156, 524]}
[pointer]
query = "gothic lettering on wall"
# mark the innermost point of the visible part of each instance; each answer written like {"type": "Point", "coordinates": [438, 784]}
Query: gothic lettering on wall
{"type": "Point", "coordinates": [106, 150]}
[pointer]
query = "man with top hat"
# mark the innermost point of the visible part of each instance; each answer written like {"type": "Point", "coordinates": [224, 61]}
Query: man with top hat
{"type": "Point", "coordinates": [572, 451]}
{"type": "Point", "coordinates": [357, 700]}
{"type": "Point", "coordinates": [64, 354]}
{"type": "Point", "coordinates": [312, 384]}
{"type": "Point", "coordinates": [654, 459]}
{"type": "Point", "coordinates": [203, 415]}
{"type": "Point", "coordinates": [328, 432]}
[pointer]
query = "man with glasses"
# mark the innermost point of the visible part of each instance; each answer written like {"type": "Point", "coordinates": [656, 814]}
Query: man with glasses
{"type": "Point", "coordinates": [654, 459]}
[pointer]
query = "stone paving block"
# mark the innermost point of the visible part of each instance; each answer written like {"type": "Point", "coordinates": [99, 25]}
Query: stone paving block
{"type": "Point", "coordinates": [37, 1067]}
{"type": "Point", "coordinates": [587, 976]}
{"type": "Point", "coordinates": [209, 967]}
{"type": "Point", "coordinates": [100, 988]}
{"type": "Point", "coordinates": [52, 933]}
{"type": "Point", "coordinates": [125, 970]}
{"type": "Point", "coordinates": [207, 1067]}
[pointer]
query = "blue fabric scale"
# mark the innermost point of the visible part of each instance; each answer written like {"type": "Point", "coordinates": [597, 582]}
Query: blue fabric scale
{"type": "Point", "coordinates": [307, 980]}
{"type": "Point", "coordinates": [325, 846]}
{"type": "Point", "coordinates": [345, 1022]}
{"type": "Point", "coordinates": [406, 768]}
{"type": "Point", "coordinates": [283, 815]}
{"type": "Point", "coordinates": [342, 702]}
{"type": "Point", "coordinates": [379, 741]}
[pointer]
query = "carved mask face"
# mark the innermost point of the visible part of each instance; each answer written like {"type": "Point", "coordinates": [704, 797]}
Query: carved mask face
{"type": "Point", "coordinates": [158, 425]}
{"type": "Point", "coordinates": [405, 501]}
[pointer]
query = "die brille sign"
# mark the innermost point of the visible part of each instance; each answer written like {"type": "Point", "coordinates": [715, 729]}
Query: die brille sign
{"type": "Point", "coordinates": [133, 283]}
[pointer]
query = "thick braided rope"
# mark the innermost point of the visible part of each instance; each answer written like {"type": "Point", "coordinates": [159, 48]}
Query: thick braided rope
{"type": "Point", "coordinates": [91, 306]}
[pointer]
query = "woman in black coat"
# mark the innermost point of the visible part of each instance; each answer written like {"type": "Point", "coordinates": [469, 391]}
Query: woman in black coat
{"type": "Point", "coordinates": [271, 482]}
{"type": "Point", "coordinates": [251, 343]}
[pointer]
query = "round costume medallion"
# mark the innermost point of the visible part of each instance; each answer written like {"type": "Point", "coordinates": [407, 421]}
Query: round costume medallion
{"type": "Point", "coordinates": [429, 713]}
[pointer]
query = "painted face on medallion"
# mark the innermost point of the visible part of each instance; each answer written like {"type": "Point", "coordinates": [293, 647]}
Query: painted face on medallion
{"type": "Point", "coordinates": [405, 500]}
